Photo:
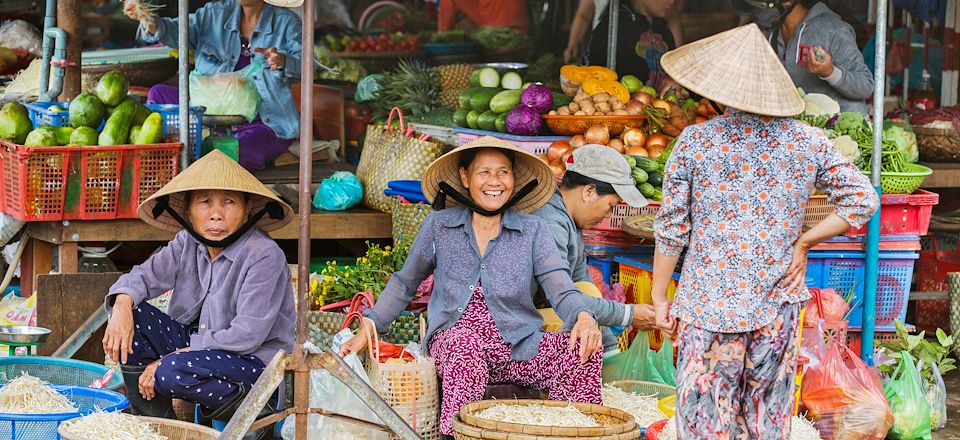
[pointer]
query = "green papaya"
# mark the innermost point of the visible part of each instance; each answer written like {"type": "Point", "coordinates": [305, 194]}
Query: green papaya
{"type": "Point", "coordinates": [141, 112]}
{"type": "Point", "coordinates": [112, 88]}
{"type": "Point", "coordinates": [117, 129]}
{"type": "Point", "coordinates": [15, 122]}
{"type": "Point", "coordinates": [134, 132]}
{"type": "Point", "coordinates": [84, 136]}
{"type": "Point", "coordinates": [86, 110]}
{"type": "Point", "coordinates": [460, 117]}
{"type": "Point", "coordinates": [63, 134]}
{"type": "Point", "coordinates": [151, 132]}
{"type": "Point", "coordinates": [41, 137]}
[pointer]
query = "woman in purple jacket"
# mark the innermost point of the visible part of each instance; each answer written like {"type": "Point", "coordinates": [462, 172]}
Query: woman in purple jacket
{"type": "Point", "coordinates": [232, 305]}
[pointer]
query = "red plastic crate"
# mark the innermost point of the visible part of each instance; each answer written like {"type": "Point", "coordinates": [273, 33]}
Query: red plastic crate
{"type": "Point", "coordinates": [621, 212]}
{"type": "Point", "coordinates": [83, 183]}
{"type": "Point", "coordinates": [900, 214]}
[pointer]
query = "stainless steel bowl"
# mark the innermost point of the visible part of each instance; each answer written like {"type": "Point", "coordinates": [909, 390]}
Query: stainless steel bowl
{"type": "Point", "coordinates": [23, 334]}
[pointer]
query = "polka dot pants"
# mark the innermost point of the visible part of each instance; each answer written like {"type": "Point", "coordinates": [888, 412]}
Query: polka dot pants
{"type": "Point", "coordinates": [472, 354]}
{"type": "Point", "coordinates": [208, 377]}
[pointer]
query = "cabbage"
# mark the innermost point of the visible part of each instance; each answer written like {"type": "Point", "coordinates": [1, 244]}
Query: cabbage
{"type": "Point", "coordinates": [904, 138]}
{"type": "Point", "coordinates": [537, 96]}
{"type": "Point", "coordinates": [524, 121]}
{"type": "Point", "coordinates": [817, 104]}
{"type": "Point", "coordinates": [848, 147]}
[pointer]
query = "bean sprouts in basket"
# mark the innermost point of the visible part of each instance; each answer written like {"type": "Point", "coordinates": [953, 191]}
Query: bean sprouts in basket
{"type": "Point", "coordinates": [29, 395]}
{"type": "Point", "coordinates": [643, 408]}
{"type": "Point", "coordinates": [112, 426]}
{"type": "Point", "coordinates": [563, 416]}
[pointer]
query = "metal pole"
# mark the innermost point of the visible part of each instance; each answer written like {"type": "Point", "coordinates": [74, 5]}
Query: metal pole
{"type": "Point", "coordinates": [301, 393]}
{"type": "Point", "coordinates": [612, 34]}
{"type": "Point", "coordinates": [873, 228]}
{"type": "Point", "coordinates": [183, 71]}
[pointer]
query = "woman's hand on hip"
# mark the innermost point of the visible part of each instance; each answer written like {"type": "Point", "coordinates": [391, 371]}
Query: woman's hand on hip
{"type": "Point", "coordinates": [118, 339]}
{"type": "Point", "coordinates": [796, 274]}
{"type": "Point", "coordinates": [148, 380]}
{"type": "Point", "coordinates": [587, 333]}
{"type": "Point", "coordinates": [667, 324]}
{"type": "Point", "coordinates": [275, 59]}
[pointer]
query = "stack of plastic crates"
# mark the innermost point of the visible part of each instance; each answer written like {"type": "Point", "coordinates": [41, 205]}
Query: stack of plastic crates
{"type": "Point", "coordinates": [636, 276]}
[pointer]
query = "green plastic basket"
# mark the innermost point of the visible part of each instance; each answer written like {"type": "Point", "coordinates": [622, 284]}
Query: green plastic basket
{"type": "Point", "coordinates": [906, 182]}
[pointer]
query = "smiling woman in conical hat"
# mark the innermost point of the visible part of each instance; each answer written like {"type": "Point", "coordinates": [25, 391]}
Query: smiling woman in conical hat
{"type": "Point", "coordinates": [488, 257]}
{"type": "Point", "coordinates": [734, 195]}
{"type": "Point", "coordinates": [232, 304]}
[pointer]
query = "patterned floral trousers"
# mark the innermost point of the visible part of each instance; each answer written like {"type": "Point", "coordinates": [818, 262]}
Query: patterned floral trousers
{"type": "Point", "coordinates": [472, 354]}
{"type": "Point", "coordinates": [737, 385]}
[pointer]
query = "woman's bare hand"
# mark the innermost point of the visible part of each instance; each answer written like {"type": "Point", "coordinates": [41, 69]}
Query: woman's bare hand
{"type": "Point", "coordinates": [148, 380]}
{"type": "Point", "coordinates": [587, 333]}
{"type": "Point", "coordinates": [357, 343]}
{"type": "Point", "coordinates": [644, 317]}
{"type": "Point", "coordinates": [666, 323]}
{"type": "Point", "coordinates": [118, 339]}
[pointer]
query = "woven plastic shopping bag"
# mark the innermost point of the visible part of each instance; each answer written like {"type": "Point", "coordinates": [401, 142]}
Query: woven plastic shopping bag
{"type": "Point", "coordinates": [393, 154]}
{"type": "Point", "coordinates": [407, 219]}
{"type": "Point", "coordinates": [410, 388]}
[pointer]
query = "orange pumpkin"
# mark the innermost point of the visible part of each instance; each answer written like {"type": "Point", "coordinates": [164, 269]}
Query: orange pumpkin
{"type": "Point", "coordinates": [576, 74]}
{"type": "Point", "coordinates": [613, 88]}
{"type": "Point", "coordinates": [601, 73]}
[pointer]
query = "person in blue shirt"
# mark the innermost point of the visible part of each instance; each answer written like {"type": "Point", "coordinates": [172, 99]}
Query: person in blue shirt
{"type": "Point", "coordinates": [227, 36]}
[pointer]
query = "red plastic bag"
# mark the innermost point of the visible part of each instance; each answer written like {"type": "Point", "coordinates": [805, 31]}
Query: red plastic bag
{"type": "Point", "coordinates": [844, 397]}
{"type": "Point", "coordinates": [827, 305]}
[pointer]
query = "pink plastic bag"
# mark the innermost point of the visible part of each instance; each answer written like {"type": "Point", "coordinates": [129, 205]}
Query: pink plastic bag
{"type": "Point", "coordinates": [834, 307]}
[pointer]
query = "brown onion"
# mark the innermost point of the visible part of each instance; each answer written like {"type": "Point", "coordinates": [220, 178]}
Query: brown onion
{"type": "Point", "coordinates": [633, 137]}
{"type": "Point", "coordinates": [656, 139]}
{"type": "Point", "coordinates": [556, 150]}
{"type": "Point", "coordinates": [618, 145]}
{"type": "Point", "coordinates": [637, 151]}
{"type": "Point", "coordinates": [597, 134]}
{"type": "Point", "coordinates": [661, 104]}
{"type": "Point", "coordinates": [634, 107]}
{"type": "Point", "coordinates": [577, 141]}
{"type": "Point", "coordinates": [644, 97]}
{"type": "Point", "coordinates": [655, 151]}
{"type": "Point", "coordinates": [558, 169]}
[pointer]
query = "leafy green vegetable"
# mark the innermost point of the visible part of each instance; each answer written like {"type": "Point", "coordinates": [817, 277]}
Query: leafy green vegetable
{"type": "Point", "coordinates": [496, 39]}
{"type": "Point", "coordinates": [904, 138]}
{"type": "Point", "coordinates": [920, 348]}
{"type": "Point", "coordinates": [456, 36]}
{"type": "Point", "coordinates": [345, 69]}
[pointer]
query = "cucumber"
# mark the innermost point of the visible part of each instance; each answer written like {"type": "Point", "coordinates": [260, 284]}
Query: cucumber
{"type": "Point", "coordinates": [480, 100]}
{"type": "Point", "coordinates": [639, 176]}
{"type": "Point", "coordinates": [646, 189]}
{"type": "Point", "coordinates": [560, 100]}
{"type": "Point", "coordinates": [488, 77]}
{"type": "Point", "coordinates": [134, 132]}
{"type": "Point", "coordinates": [465, 95]}
{"type": "Point", "coordinates": [525, 85]}
{"type": "Point", "coordinates": [511, 81]}
{"type": "Point", "coordinates": [504, 101]}
{"type": "Point", "coordinates": [460, 117]}
{"type": "Point", "coordinates": [487, 121]}
{"type": "Point", "coordinates": [630, 161]}
{"type": "Point", "coordinates": [152, 130]}
{"type": "Point", "coordinates": [501, 123]}
{"type": "Point", "coordinates": [472, 117]}
{"type": "Point", "coordinates": [654, 178]}
{"type": "Point", "coordinates": [474, 80]}
{"type": "Point", "coordinates": [646, 164]}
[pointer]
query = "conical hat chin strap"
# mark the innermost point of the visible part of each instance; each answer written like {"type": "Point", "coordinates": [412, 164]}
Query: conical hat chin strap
{"type": "Point", "coordinates": [272, 208]}
{"type": "Point", "coordinates": [440, 201]}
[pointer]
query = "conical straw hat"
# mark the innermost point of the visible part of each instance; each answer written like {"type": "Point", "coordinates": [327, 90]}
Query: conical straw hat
{"type": "Point", "coordinates": [215, 170]}
{"type": "Point", "coordinates": [738, 69]}
{"type": "Point", "coordinates": [526, 167]}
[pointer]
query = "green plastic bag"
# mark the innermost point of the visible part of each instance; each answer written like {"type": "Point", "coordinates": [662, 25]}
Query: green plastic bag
{"type": "Point", "coordinates": [639, 362]}
{"type": "Point", "coordinates": [229, 93]}
{"type": "Point", "coordinates": [905, 393]}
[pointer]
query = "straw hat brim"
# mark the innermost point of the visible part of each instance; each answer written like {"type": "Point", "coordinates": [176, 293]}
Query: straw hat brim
{"type": "Point", "coordinates": [214, 171]}
{"type": "Point", "coordinates": [738, 69]}
{"type": "Point", "coordinates": [526, 167]}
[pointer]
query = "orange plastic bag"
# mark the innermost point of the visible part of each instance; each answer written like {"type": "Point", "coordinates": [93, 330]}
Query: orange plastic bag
{"type": "Point", "coordinates": [827, 304]}
{"type": "Point", "coordinates": [844, 397]}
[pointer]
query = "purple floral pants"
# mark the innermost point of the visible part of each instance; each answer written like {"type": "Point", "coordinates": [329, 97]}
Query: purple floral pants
{"type": "Point", "coordinates": [737, 385]}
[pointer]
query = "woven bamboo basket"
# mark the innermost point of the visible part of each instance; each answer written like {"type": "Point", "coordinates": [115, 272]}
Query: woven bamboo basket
{"type": "Point", "coordinates": [612, 421]}
{"type": "Point", "coordinates": [172, 429]}
{"type": "Point", "coordinates": [462, 431]}
{"type": "Point", "coordinates": [938, 144]}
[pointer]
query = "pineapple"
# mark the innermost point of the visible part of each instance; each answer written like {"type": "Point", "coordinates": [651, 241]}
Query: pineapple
{"type": "Point", "coordinates": [413, 87]}
{"type": "Point", "coordinates": [453, 80]}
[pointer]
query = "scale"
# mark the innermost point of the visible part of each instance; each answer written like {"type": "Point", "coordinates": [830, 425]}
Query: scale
{"type": "Point", "coordinates": [221, 135]}
{"type": "Point", "coordinates": [15, 336]}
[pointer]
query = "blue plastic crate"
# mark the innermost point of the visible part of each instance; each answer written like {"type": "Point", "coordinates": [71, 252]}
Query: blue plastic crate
{"type": "Point", "coordinates": [843, 271]}
{"type": "Point", "coordinates": [40, 114]}
{"type": "Point", "coordinates": [608, 267]}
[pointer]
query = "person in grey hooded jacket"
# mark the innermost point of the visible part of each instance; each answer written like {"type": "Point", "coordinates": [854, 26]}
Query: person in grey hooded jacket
{"type": "Point", "coordinates": [818, 49]}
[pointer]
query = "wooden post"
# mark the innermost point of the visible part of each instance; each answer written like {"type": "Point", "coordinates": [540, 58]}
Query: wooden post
{"type": "Point", "coordinates": [67, 257]}
{"type": "Point", "coordinates": [68, 19]}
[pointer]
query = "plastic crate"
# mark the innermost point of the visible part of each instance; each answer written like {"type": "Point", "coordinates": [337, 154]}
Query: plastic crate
{"type": "Point", "coordinates": [900, 214]}
{"type": "Point", "coordinates": [894, 243]}
{"type": "Point", "coordinates": [607, 267]}
{"type": "Point", "coordinates": [83, 183]}
{"type": "Point", "coordinates": [843, 271]}
{"type": "Point", "coordinates": [636, 275]}
{"type": "Point", "coordinates": [40, 114]}
{"type": "Point", "coordinates": [881, 335]}
{"type": "Point", "coordinates": [532, 144]}
{"type": "Point", "coordinates": [621, 212]}
{"type": "Point", "coordinates": [44, 426]}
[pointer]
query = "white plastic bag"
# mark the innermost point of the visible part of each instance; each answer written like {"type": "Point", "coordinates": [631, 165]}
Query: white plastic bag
{"type": "Point", "coordinates": [327, 392]}
{"type": "Point", "coordinates": [230, 94]}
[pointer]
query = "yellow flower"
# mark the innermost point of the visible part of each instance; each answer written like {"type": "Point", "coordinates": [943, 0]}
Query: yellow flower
{"type": "Point", "coordinates": [386, 248]}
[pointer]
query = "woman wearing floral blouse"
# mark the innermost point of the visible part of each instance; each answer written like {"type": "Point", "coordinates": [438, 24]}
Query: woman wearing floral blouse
{"type": "Point", "coordinates": [734, 197]}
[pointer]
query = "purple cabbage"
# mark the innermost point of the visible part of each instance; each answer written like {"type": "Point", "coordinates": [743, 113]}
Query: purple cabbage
{"type": "Point", "coordinates": [524, 121]}
{"type": "Point", "coordinates": [537, 96]}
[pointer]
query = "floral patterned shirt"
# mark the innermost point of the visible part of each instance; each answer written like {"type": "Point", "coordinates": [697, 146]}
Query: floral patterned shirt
{"type": "Point", "coordinates": [735, 192]}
